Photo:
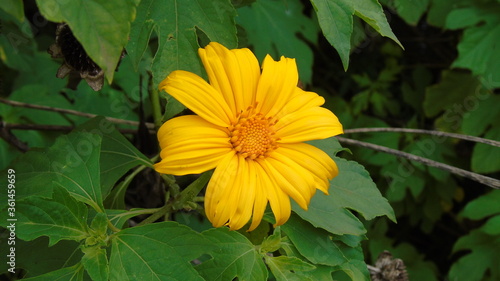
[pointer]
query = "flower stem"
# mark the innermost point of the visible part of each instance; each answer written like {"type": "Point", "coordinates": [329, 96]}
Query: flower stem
{"type": "Point", "coordinates": [155, 104]}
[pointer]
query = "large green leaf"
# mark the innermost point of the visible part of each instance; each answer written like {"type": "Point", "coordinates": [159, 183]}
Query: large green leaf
{"type": "Point", "coordinates": [478, 48]}
{"type": "Point", "coordinates": [61, 217]}
{"type": "Point", "coordinates": [322, 212]}
{"type": "Point", "coordinates": [313, 243]}
{"type": "Point", "coordinates": [483, 257]}
{"type": "Point", "coordinates": [235, 256]}
{"type": "Point", "coordinates": [351, 189]}
{"type": "Point", "coordinates": [175, 23]}
{"type": "Point", "coordinates": [335, 19]}
{"type": "Point", "coordinates": [102, 27]}
{"type": "Point", "coordinates": [118, 155]}
{"type": "Point", "coordinates": [159, 251]}
{"type": "Point", "coordinates": [72, 163]}
{"type": "Point", "coordinates": [274, 27]}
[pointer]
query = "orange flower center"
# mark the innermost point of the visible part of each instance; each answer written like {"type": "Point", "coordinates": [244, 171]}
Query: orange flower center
{"type": "Point", "coordinates": [252, 134]}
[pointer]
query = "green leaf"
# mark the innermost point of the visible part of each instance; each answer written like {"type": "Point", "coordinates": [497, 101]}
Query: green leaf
{"type": "Point", "coordinates": [159, 251]}
{"type": "Point", "coordinates": [273, 242]}
{"type": "Point", "coordinates": [482, 115]}
{"type": "Point", "coordinates": [64, 253]}
{"type": "Point", "coordinates": [102, 27]}
{"type": "Point", "coordinates": [483, 206]}
{"type": "Point", "coordinates": [313, 243]}
{"type": "Point", "coordinates": [14, 8]}
{"type": "Point", "coordinates": [72, 273]}
{"type": "Point", "coordinates": [322, 212]}
{"type": "Point", "coordinates": [61, 217]}
{"type": "Point", "coordinates": [335, 19]}
{"type": "Point", "coordinates": [492, 226]}
{"type": "Point", "coordinates": [288, 268]}
{"type": "Point", "coordinates": [175, 24]}
{"type": "Point", "coordinates": [274, 28]}
{"type": "Point", "coordinates": [411, 11]}
{"type": "Point", "coordinates": [485, 157]}
{"type": "Point", "coordinates": [483, 255]}
{"type": "Point", "coordinates": [118, 155]}
{"type": "Point", "coordinates": [356, 270]}
{"type": "Point", "coordinates": [72, 162]}
{"type": "Point", "coordinates": [235, 257]}
{"type": "Point", "coordinates": [453, 90]}
{"type": "Point", "coordinates": [438, 12]}
{"type": "Point", "coordinates": [95, 262]}
{"type": "Point", "coordinates": [477, 49]}
{"type": "Point", "coordinates": [173, 106]}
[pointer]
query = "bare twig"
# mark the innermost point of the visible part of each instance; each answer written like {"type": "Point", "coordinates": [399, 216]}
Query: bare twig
{"type": "Point", "coordinates": [73, 112]}
{"type": "Point", "coordinates": [494, 183]}
{"type": "Point", "coordinates": [39, 127]}
{"type": "Point", "coordinates": [428, 132]}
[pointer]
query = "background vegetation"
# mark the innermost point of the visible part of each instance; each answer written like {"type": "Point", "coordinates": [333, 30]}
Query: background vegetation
{"type": "Point", "coordinates": [86, 196]}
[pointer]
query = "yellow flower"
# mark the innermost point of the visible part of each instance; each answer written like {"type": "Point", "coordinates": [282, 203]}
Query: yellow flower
{"type": "Point", "coordinates": [251, 127]}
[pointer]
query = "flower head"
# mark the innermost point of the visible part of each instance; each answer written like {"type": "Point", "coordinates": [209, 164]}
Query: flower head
{"type": "Point", "coordinates": [250, 126]}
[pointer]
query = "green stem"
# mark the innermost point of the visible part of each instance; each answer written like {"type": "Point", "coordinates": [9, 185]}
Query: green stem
{"type": "Point", "coordinates": [158, 214]}
{"type": "Point", "coordinates": [155, 103]}
{"type": "Point", "coordinates": [192, 190]}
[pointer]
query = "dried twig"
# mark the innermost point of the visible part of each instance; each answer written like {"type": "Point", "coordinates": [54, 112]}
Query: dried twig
{"type": "Point", "coordinates": [428, 132]}
{"type": "Point", "coordinates": [494, 183]}
{"type": "Point", "coordinates": [39, 127]}
{"type": "Point", "coordinates": [73, 112]}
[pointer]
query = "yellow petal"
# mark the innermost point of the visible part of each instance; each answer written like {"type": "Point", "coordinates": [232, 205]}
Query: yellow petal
{"type": "Point", "coordinates": [246, 186]}
{"type": "Point", "coordinates": [196, 94]}
{"type": "Point", "coordinates": [279, 201]}
{"type": "Point", "coordinates": [190, 145]}
{"type": "Point", "coordinates": [234, 73]}
{"type": "Point", "coordinates": [260, 203]}
{"type": "Point", "coordinates": [300, 101]}
{"type": "Point", "coordinates": [276, 85]}
{"type": "Point", "coordinates": [308, 124]}
{"type": "Point", "coordinates": [219, 188]}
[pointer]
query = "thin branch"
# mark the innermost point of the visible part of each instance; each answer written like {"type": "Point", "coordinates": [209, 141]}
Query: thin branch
{"type": "Point", "coordinates": [494, 183]}
{"type": "Point", "coordinates": [73, 112]}
{"type": "Point", "coordinates": [428, 132]}
{"type": "Point", "coordinates": [39, 127]}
